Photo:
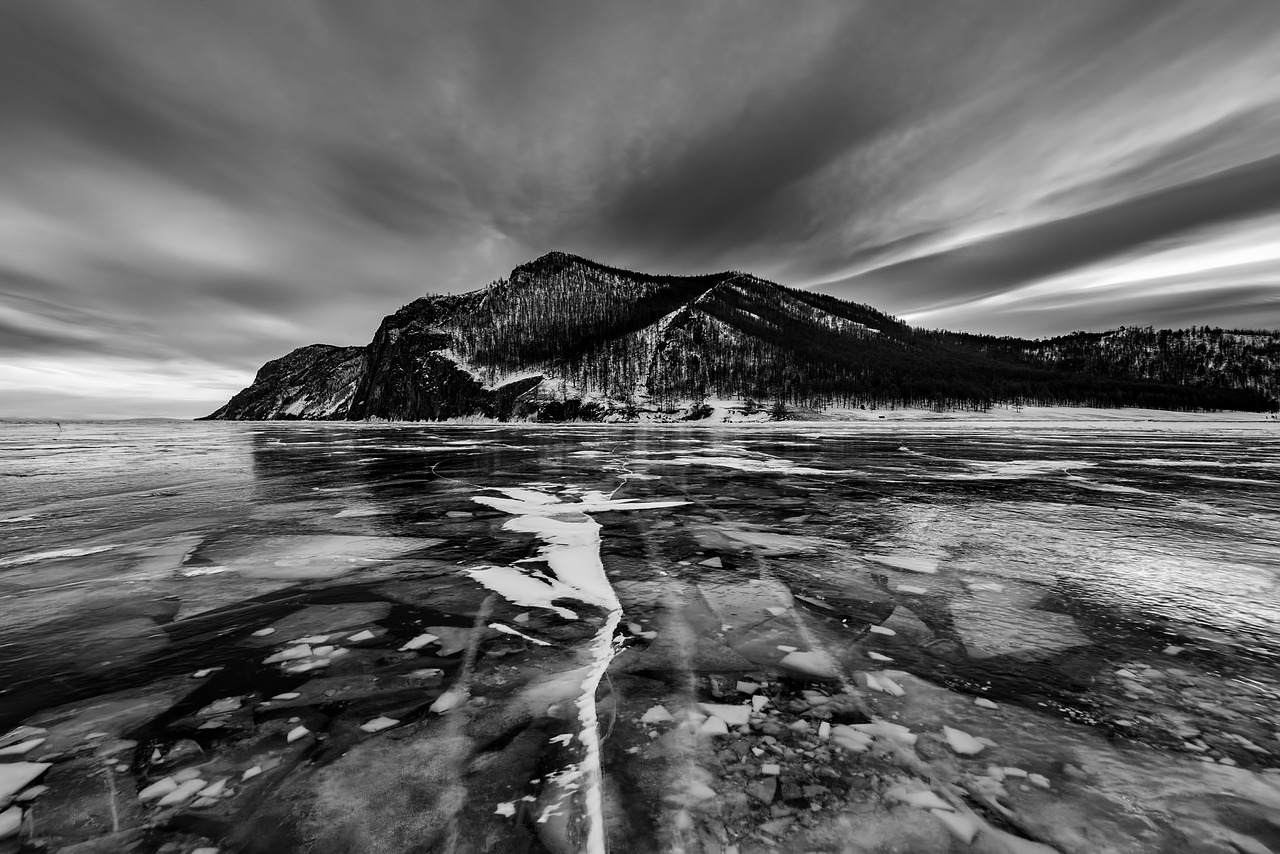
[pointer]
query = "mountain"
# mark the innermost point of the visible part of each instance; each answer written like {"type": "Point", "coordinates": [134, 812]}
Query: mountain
{"type": "Point", "coordinates": [568, 338]}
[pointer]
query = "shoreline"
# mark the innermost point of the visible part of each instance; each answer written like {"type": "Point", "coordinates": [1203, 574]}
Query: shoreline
{"type": "Point", "coordinates": [724, 416]}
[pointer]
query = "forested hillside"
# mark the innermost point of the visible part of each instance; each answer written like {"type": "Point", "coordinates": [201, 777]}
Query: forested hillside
{"type": "Point", "coordinates": [568, 337]}
{"type": "Point", "coordinates": [1199, 356]}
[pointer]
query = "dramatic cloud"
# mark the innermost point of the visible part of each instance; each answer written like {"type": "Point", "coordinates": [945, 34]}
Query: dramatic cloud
{"type": "Point", "coordinates": [193, 188]}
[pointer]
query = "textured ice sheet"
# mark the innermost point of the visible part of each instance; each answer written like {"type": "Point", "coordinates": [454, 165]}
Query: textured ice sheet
{"type": "Point", "coordinates": [306, 557]}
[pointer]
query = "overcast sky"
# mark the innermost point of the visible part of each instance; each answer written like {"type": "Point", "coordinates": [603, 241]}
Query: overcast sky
{"type": "Point", "coordinates": [189, 188]}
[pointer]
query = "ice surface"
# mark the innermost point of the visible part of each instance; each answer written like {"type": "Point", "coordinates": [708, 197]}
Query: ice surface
{"type": "Point", "coordinates": [300, 557]}
{"type": "Point", "coordinates": [1010, 622]}
{"type": "Point", "coordinates": [55, 554]}
{"type": "Point", "coordinates": [1054, 596]}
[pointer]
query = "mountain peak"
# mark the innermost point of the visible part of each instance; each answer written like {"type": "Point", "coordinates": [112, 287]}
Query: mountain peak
{"type": "Point", "coordinates": [567, 337]}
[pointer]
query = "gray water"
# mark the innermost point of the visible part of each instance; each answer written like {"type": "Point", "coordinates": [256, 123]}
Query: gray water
{"type": "Point", "coordinates": [1111, 596]}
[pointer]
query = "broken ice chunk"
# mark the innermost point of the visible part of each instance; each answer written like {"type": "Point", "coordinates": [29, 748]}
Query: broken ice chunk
{"type": "Point", "coordinates": [220, 707]}
{"type": "Point", "coordinates": [759, 701]}
{"type": "Point", "coordinates": [700, 791]}
{"type": "Point", "coordinates": [23, 733]}
{"type": "Point", "coordinates": [289, 654]}
{"type": "Point", "coordinates": [910, 563]}
{"type": "Point", "coordinates": [824, 731]}
{"type": "Point", "coordinates": [713, 726]}
{"type": "Point", "coordinates": [1172, 649]}
{"type": "Point", "coordinates": [360, 636]}
{"type": "Point", "coordinates": [747, 687]}
{"type": "Point", "coordinates": [378, 724]}
{"type": "Point", "coordinates": [962, 827]}
{"type": "Point", "coordinates": [881, 630]}
{"type": "Point", "coordinates": [875, 656]}
{"type": "Point", "coordinates": [307, 666]}
{"type": "Point", "coordinates": [713, 562]}
{"type": "Point", "coordinates": [770, 769]}
{"type": "Point", "coordinates": [213, 790]}
{"type": "Point", "coordinates": [776, 610]}
{"type": "Point", "coordinates": [656, 715]}
{"type": "Point", "coordinates": [850, 739]}
{"type": "Point", "coordinates": [157, 790]}
{"type": "Point", "coordinates": [1038, 780]}
{"type": "Point", "coordinates": [508, 809]}
{"type": "Point", "coordinates": [297, 733]}
{"type": "Point", "coordinates": [811, 662]}
{"type": "Point", "coordinates": [911, 588]}
{"type": "Point", "coordinates": [984, 703]}
{"type": "Point", "coordinates": [16, 776]}
{"type": "Point", "coordinates": [731, 715]}
{"type": "Point", "coordinates": [21, 747]}
{"type": "Point", "coordinates": [419, 642]}
{"type": "Point", "coordinates": [30, 794]}
{"type": "Point", "coordinates": [288, 695]}
{"type": "Point", "coordinates": [184, 792]}
{"type": "Point", "coordinates": [446, 701]}
{"type": "Point", "coordinates": [250, 773]}
{"type": "Point", "coordinates": [262, 633]}
{"type": "Point", "coordinates": [312, 639]}
{"type": "Point", "coordinates": [10, 821]}
{"type": "Point", "coordinates": [200, 674]}
{"type": "Point", "coordinates": [961, 742]}
{"type": "Point", "coordinates": [880, 682]}
{"type": "Point", "coordinates": [884, 729]}
{"type": "Point", "coordinates": [925, 799]}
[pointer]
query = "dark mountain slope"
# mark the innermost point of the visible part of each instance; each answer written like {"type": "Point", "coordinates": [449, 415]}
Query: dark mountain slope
{"type": "Point", "coordinates": [313, 382]}
{"type": "Point", "coordinates": [564, 336]}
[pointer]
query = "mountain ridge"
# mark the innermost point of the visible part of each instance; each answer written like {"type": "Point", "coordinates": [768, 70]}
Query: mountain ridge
{"type": "Point", "coordinates": [567, 337]}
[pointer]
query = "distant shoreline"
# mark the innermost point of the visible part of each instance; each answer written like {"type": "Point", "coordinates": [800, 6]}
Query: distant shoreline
{"type": "Point", "coordinates": [997, 416]}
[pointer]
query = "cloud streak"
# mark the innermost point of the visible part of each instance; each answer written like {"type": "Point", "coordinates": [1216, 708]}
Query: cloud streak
{"type": "Point", "coordinates": [194, 188]}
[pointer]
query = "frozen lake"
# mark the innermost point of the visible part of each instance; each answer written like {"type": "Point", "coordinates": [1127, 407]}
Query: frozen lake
{"type": "Point", "coordinates": [410, 638]}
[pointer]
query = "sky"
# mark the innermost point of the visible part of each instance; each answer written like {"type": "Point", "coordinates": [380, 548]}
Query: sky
{"type": "Point", "coordinates": [190, 188]}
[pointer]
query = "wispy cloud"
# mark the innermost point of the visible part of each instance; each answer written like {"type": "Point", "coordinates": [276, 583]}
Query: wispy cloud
{"type": "Point", "coordinates": [194, 188]}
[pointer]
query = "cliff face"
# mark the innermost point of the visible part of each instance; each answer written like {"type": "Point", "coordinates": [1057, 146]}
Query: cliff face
{"type": "Point", "coordinates": [567, 337]}
{"type": "Point", "coordinates": [314, 383]}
